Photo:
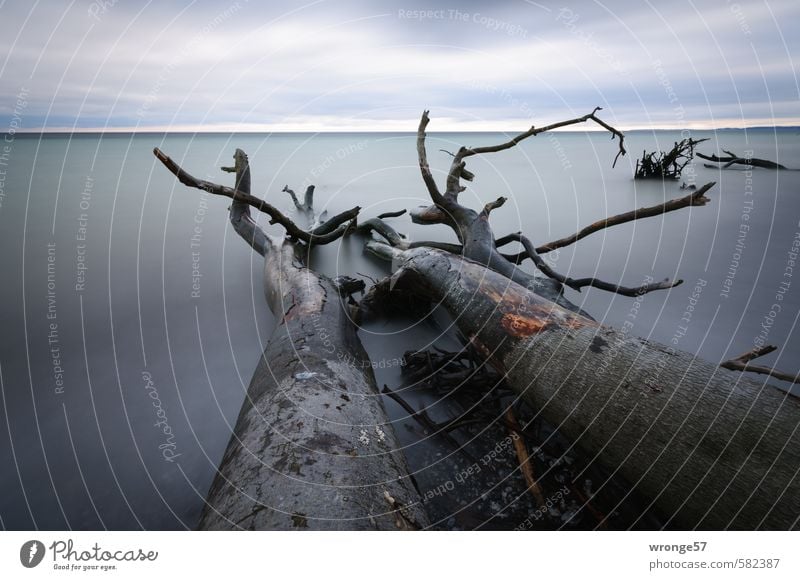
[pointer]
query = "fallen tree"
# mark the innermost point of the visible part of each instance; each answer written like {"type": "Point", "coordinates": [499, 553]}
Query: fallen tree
{"type": "Point", "coordinates": [710, 447]}
{"type": "Point", "coordinates": [312, 447]}
{"type": "Point", "coordinates": [734, 159]}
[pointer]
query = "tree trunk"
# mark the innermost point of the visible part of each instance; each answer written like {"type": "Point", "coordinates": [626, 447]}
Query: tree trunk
{"type": "Point", "coordinates": [714, 449]}
{"type": "Point", "coordinates": [312, 447]}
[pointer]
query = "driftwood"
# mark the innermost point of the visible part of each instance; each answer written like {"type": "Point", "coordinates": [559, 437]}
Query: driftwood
{"type": "Point", "coordinates": [734, 159]}
{"type": "Point", "coordinates": [477, 240]}
{"type": "Point", "coordinates": [661, 165]}
{"type": "Point", "coordinates": [742, 363]}
{"type": "Point", "coordinates": [712, 448]}
{"type": "Point", "coordinates": [312, 447]}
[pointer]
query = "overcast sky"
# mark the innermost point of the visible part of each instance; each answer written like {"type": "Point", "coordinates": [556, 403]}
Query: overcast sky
{"type": "Point", "coordinates": [334, 65]}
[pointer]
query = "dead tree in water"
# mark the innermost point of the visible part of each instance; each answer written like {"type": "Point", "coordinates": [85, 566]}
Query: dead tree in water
{"type": "Point", "coordinates": [660, 165]}
{"type": "Point", "coordinates": [734, 159]}
{"type": "Point", "coordinates": [710, 447]}
{"type": "Point", "coordinates": [312, 447]}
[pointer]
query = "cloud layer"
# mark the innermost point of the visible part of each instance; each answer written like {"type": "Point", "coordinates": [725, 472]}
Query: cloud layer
{"type": "Point", "coordinates": [329, 65]}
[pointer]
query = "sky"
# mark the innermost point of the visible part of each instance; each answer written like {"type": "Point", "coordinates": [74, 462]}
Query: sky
{"type": "Point", "coordinates": [374, 66]}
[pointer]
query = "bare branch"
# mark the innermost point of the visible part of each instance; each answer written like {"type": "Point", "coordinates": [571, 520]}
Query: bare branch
{"type": "Point", "coordinates": [431, 214]}
{"type": "Point", "coordinates": [577, 284]}
{"type": "Point", "coordinates": [733, 158]}
{"type": "Point", "coordinates": [308, 203]}
{"type": "Point", "coordinates": [493, 205]}
{"type": "Point", "coordinates": [291, 193]}
{"type": "Point", "coordinates": [335, 222]}
{"type": "Point", "coordinates": [505, 240]}
{"type": "Point", "coordinates": [392, 214]}
{"type": "Point", "coordinates": [741, 363]}
{"type": "Point", "coordinates": [517, 258]}
{"type": "Point", "coordinates": [383, 229]}
{"type": "Point", "coordinates": [239, 213]}
{"type": "Point", "coordinates": [309, 197]}
{"type": "Point", "coordinates": [452, 248]}
{"type": "Point", "coordinates": [695, 198]}
{"type": "Point", "coordinates": [275, 214]}
{"type": "Point", "coordinates": [424, 168]}
{"type": "Point", "coordinates": [457, 167]}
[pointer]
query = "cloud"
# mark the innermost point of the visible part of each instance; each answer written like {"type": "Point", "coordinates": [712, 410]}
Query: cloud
{"type": "Point", "coordinates": [326, 65]}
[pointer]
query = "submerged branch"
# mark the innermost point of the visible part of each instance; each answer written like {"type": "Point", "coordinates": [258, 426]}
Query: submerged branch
{"type": "Point", "coordinates": [734, 159]}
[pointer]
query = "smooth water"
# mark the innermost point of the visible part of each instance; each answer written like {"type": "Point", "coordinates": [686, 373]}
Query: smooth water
{"type": "Point", "coordinates": [133, 316]}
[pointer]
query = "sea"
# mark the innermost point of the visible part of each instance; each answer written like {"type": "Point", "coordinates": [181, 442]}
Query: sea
{"type": "Point", "coordinates": [133, 316]}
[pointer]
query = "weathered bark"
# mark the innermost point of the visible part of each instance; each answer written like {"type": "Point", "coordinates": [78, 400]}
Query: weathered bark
{"type": "Point", "coordinates": [734, 159]}
{"type": "Point", "coordinates": [312, 447]}
{"type": "Point", "coordinates": [712, 448]}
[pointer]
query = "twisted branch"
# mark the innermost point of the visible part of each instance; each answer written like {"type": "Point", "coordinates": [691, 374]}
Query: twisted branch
{"type": "Point", "coordinates": [695, 198]}
{"type": "Point", "coordinates": [577, 284]}
{"type": "Point", "coordinates": [424, 168]}
{"type": "Point", "coordinates": [458, 169]}
{"type": "Point", "coordinates": [292, 229]}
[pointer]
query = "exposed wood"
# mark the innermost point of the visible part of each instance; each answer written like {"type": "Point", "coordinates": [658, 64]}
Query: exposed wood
{"type": "Point", "coordinates": [713, 449]}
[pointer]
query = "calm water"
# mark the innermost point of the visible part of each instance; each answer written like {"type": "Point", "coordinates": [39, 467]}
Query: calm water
{"type": "Point", "coordinates": [129, 306]}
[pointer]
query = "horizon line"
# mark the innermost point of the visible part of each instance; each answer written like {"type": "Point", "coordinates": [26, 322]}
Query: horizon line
{"type": "Point", "coordinates": [351, 130]}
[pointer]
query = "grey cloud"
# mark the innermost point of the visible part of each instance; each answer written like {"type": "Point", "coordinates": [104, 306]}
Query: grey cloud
{"type": "Point", "coordinates": [156, 64]}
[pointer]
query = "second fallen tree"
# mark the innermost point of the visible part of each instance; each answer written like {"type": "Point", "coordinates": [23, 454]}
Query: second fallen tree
{"type": "Point", "coordinates": [711, 448]}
